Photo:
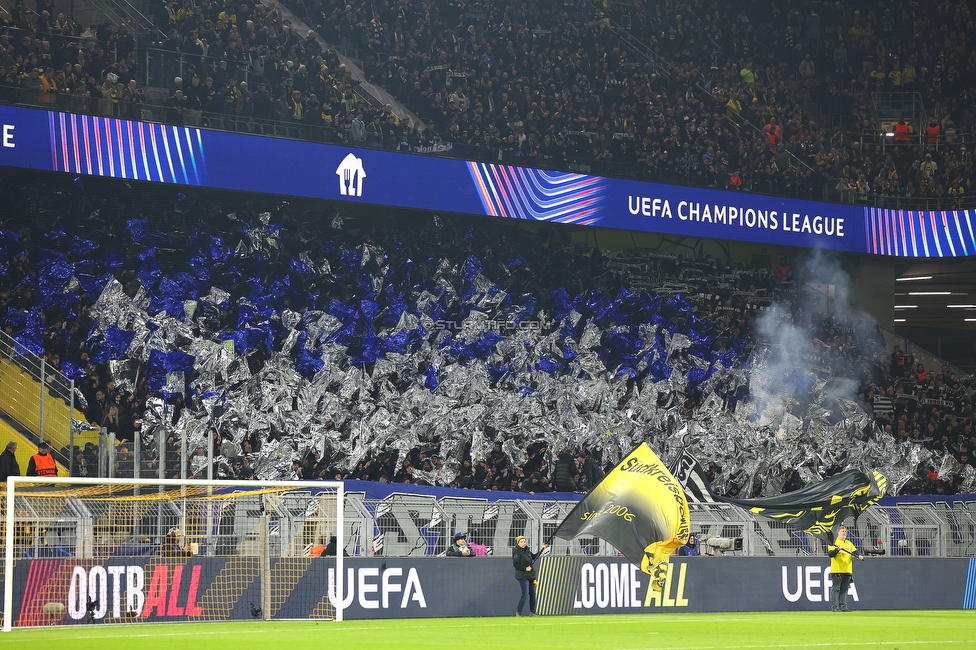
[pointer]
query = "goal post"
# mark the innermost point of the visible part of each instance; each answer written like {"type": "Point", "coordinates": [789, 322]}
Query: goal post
{"type": "Point", "coordinates": [90, 550]}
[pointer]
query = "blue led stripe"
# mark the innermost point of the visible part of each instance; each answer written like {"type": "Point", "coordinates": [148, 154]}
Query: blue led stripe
{"type": "Point", "coordinates": [74, 139]}
{"type": "Point", "coordinates": [962, 240]}
{"type": "Point", "coordinates": [935, 233]}
{"type": "Point", "coordinates": [132, 150]}
{"type": "Point", "coordinates": [203, 158]}
{"type": "Point", "coordinates": [64, 143]}
{"type": "Point", "coordinates": [118, 138]}
{"type": "Point", "coordinates": [969, 600]}
{"type": "Point", "coordinates": [179, 152]}
{"type": "Point", "coordinates": [193, 156]}
{"type": "Point", "coordinates": [155, 150]}
{"type": "Point", "coordinates": [109, 147]}
{"type": "Point", "coordinates": [142, 148]}
{"type": "Point", "coordinates": [969, 224]}
{"type": "Point", "coordinates": [169, 158]}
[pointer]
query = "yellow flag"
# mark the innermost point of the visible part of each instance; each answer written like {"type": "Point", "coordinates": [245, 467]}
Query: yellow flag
{"type": "Point", "coordinates": [638, 507]}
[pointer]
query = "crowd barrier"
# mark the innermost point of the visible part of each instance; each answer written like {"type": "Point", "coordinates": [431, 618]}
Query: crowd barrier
{"type": "Point", "coordinates": [385, 520]}
{"type": "Point", "coordinates": [395, 520]}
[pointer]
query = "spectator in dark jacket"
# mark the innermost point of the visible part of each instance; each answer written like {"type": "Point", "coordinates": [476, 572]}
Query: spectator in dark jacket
{"type": "Point", "coordinates": [497, 458]}
{"type": "Point", "coordinates": [330, 548]}
{"type": "Point", "coordinates": [590, 470]}
{"type": "Point", "coordinates": [8, 462]}
{"type": "Point", "coordinates": [522, 559]}
{"type": "Point", "coordinates": [564, 476]}
{"type": "Point", "coordinates": [691, 548]}
{"type": "Point", "coordinates": [264, 105]}
{"type": "Point", "coordinates": [176, 105]}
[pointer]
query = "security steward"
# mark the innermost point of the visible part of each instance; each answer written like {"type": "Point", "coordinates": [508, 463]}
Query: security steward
{"type": "Point", "coordinates": [42, 463]}
{"type": "Point", "coordinates": [902, 131]}
{"type": "Point", "coordinates": [842, 553]}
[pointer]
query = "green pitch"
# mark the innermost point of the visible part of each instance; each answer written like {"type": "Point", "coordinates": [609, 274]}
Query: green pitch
{"type": "Point", "coordinates": [905, 629]}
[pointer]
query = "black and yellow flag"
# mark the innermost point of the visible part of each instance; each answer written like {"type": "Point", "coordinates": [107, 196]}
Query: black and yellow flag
{"type": "Point", "coordinates": [819, 509]}
{"type": "Point", "coordinates": [638, 507]}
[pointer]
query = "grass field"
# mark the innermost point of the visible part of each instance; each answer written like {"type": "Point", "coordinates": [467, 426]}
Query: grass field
{"type": "Point", "coordinates": [904, 629]}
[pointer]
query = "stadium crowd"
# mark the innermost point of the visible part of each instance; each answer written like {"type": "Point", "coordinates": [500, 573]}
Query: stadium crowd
{"type": "Point", "coordinates": [64, 244]}
{"type": "Point", "coordinates": [764, 96]}
{"type": "Point", "coordinates": [934, 408]}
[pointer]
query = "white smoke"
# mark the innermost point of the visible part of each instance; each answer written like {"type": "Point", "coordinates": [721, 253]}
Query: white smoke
{"type": "Point", "coordinates": [792, 367]}
{"type": "Point", "coordinates": [795, 382]}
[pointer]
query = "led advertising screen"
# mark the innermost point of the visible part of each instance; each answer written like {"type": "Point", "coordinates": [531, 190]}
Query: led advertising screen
{"type": "Point", "coordinates": [84, 144]}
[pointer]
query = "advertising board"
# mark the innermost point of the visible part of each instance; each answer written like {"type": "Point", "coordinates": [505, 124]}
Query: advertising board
{"type": "Point", "coordinates": [82, 591]}
{"type": "Point", "coordinates": [104, 146]}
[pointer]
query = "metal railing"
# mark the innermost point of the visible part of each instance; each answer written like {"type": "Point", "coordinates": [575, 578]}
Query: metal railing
{"type": "Point", "coordinates": [894, 105]}
{"type": "Point", "coordinates": [267, 524]}
{"type": "Point", "coordinates": [639, 48]}
{"type": "Point", "coordinates": [885, 138]}
{"type": "Point", "coordinates": [636, 46]}
{"type": "Point", "coordinates": [923, 203]}
{"type": "Point", "coordinates": [40, 398]}
{"type": "Point", "coordinates": [34, 393]}
{"type": "Point", "coordinates": [162, 66]}
{"type": "Point", "coordinates": [929, 360]}
{"type": "Point", "coordinates": [57, 40]}
{"type": "Point", "coordinates": [414, 525]}
{"type": "Point", "coordinates": [126, 12]}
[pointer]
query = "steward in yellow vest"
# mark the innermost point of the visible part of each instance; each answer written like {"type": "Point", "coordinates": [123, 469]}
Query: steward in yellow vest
{"type": "Point", "coordinates": [842, 553]}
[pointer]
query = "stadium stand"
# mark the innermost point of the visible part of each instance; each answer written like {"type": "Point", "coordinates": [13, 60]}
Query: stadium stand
{"type": "Point", "coordinates": [843, 102]}
{"type": "Point", "coordinates": [174, 313]}
{"type": "Point", "coordinates": [852, 104]}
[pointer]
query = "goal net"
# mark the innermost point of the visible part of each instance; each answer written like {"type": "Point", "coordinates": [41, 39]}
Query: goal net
{"type": "Point", "coordinates": [84, 551]}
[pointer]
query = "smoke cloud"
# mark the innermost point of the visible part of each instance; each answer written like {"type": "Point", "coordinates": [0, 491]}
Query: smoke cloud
{"type": "Point", "coordinates": [792, 366]}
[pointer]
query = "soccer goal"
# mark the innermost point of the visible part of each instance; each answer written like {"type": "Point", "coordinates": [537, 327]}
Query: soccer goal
{"type": "Point", "coordinates": [93, 551]}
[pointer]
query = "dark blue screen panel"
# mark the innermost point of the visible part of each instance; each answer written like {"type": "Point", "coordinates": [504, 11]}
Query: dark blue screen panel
{"type": "Point", "coordinates": [82, 144]}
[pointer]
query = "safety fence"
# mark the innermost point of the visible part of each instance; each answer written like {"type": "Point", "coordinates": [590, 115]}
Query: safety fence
{"type": "Point", "coordinates": [403, 524]}
{"type": "Point", "coordinates": [416, 525]}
